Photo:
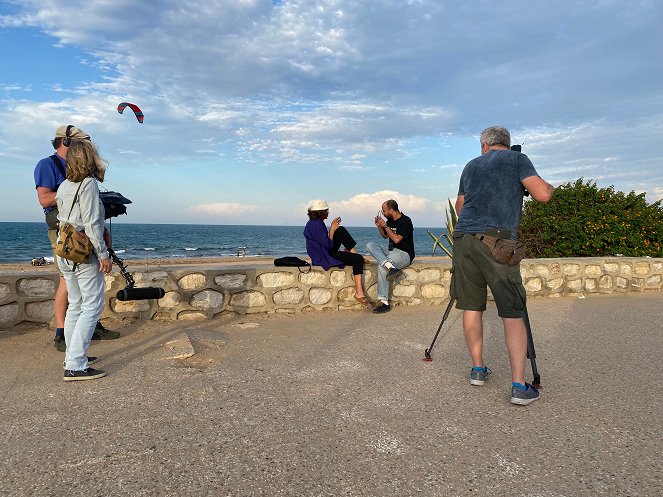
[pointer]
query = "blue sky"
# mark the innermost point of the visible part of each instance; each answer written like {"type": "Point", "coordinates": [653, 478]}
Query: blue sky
{"type": "Point", "coordinates": [254, 107]}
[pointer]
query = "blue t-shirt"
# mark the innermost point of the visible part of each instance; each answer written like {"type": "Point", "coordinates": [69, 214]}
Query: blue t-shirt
{"type": "Point", "coordinates": [49, 176]}
{"type": "Point", "coordinates": [493, 191]}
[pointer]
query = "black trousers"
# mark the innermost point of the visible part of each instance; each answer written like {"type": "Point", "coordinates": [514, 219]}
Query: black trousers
{"type": "Point", "coordinates": [343, 237]}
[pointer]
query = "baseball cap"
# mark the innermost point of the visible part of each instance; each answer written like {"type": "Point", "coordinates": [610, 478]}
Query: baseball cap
{"type": "Point", "coordinates": [74, 133]}
{"type": "Point", "coordinates": [318, 205]}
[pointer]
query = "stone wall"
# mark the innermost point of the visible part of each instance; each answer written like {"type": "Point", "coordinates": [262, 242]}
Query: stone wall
{"type": "Point", "coordinates": [201, 292]}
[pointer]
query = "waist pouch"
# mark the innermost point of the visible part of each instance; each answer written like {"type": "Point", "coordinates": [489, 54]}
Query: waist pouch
{"type": "Point", "coordinates": [504, 250]}
{"type": "Point", "coordinates": [52, 219]}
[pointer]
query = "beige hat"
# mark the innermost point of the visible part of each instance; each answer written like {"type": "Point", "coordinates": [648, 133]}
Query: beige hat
{"type": "Point", "coordinates": [74, 133]}
{"type": "Point", "coordinates": [318, 205]}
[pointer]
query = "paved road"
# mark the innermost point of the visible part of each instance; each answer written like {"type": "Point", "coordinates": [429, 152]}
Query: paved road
{"type": "Point", "coordinates": [332, 404]}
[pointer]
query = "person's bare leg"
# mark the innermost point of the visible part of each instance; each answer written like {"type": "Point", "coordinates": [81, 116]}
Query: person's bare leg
{"type": "Point", "coordinates": [359, 290]}
{"type": "Point", "coordinates": [515, 337]}
{"type": "Point", "coordinates": [61, 303]}
{"type": "Point", "coordinates": [473, 331]}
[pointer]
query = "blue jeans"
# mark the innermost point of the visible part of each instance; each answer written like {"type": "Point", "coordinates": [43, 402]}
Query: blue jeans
{"type": "Point", "coordinates": [398, 258]}
{"type": "Point", "coordinates": [85, 287]}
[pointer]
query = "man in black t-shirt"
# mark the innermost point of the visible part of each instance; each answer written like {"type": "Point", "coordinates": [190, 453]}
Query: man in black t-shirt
{"type": "Point", "coordinates": [399, 230]}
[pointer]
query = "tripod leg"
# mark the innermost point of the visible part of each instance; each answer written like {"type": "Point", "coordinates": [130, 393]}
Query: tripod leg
{"type": "Point", "coordinates": [427, 352]}
{"type": "Point", "coordinates": [531, 353]}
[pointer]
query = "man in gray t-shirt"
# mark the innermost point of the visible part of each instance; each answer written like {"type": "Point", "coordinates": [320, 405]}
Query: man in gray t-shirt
{"type": "Point", "coordinates": [490, 200]}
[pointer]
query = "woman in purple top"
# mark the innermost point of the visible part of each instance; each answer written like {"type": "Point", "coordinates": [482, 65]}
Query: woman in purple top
{"type": "Point", "coordinates": [323, 246]}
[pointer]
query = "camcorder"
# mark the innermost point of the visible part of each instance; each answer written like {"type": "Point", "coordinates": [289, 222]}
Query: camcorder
{"type": "Point", "coordinates": [519, 148]}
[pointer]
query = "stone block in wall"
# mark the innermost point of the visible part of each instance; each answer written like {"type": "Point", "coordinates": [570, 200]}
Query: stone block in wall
{"type": "Point", "coordinates": [621, 282]}
{"type": "Point", "coordinates": [110, 279]}
{"type": "Point", "coordinates": [313, 278]}
{"type": "Point", "coordinates": [408, 274]}
{"type": "Point", "coordinates": [274, 280]}
{"type": "Point", "coordinates": [433, 291]}
{"type": "Point", "coordinates": [5, 291]}
{"type": "Point", "coordinates": [657, 267]}
{"type": "Point", "coordinates": [372, 292]}
{"type": "Point", "coordinates": [130, 305]}
{"type": "Point", "coordinates": [591, 284]}
{"type": "Point", "coordinates": [654, 281]}
{"type": "Point", "coordinates": [605, 282]}
{"type": "Point", "coordinates": [207, 299]}
{"type": "Point", "coordinates": [404, 290]}
{"type": "Point", "coordinates": [428, 275]}
{"type": "Point", "coordinates": [533, 285]}
{"type": "Point", "coordinates": [641, 268]}
{"type": "Point", "coordinates": [368, 275]}
{"type": "Point", "coordinates": [8, 314]}
{"type": "Point", "coordinates": [248, 299]}
{"type": "Point", "coordinates": [637, 284]}
{"type": "Point", "coordinates": [542, 270]}
{"type": "Point", "coordinates": [625, 269]}
{"type": "Point", "coordinates": [170, 300]}
{"type": "Point", "coordinates": [593, 271]}
{"type": "Point", "coordinates": [42, 311]}
{"type": "Point", "coordinates": [338, 278]}
{"type": "Point", "coordinates": [192, 281]}
{"type": "Point", "coordinates": [574, 285]}
{"type": "Point", "coordinates": [611, 267]}
{"type": "Point", "coordinates": [414, 301]}
{"type": "Point", "coordinates": [191, 316]}
{"type": "Point", "coordinates": [231, 281]}
{"type": "Point", "coordinates": [319, 296]}
{"type": "Point", "coordinates": [571, 269]}
{"type": "Point", "coordinates": [289, 296]}
{"type": "Point", "coordinates": [36, 287]}
{"type": "Point", "coordinates": [346, 294]}
{"type": "Point", "coordinates": [555, 284]}
{"type": "Point", "coordinates": [555, 269]}
{"type": "Point", "coordinates": [150, 278]}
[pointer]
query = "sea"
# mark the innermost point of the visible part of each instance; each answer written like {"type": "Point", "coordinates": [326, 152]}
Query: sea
{"type": "Point", "coordinates": [23, 242]}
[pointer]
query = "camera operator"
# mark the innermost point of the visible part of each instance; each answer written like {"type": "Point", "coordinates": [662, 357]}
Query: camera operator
{"type": "Point", "coordinates": [490, 199]}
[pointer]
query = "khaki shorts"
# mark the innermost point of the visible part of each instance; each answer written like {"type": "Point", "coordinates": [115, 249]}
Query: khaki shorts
{"type": "Point", "coordinates": [53, 237]}
{"type": "Point", "coordinates": [475, 269]}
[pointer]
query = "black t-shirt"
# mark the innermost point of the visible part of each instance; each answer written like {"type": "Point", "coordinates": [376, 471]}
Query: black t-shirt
{"type": "Point", "coordinates": [403, 227]}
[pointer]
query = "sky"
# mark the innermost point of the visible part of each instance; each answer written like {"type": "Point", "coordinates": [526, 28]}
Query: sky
{"type": "Point", "coordinates": [253, 108]}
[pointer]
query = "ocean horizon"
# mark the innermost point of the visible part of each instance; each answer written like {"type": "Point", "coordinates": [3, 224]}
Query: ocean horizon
{"type": "Point", "coordinates": [20, 242]}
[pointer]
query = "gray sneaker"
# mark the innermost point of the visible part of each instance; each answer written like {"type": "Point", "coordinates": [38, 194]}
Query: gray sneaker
{"type": "Point", "coordinates": [523, 397]}
{"type": "Point", "coordinates": [478, 376]}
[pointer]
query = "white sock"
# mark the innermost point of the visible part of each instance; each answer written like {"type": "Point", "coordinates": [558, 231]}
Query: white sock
{"type": "Point", "coordinates": [388, 264]}
{"type": "Point", "coordinates": [385, 302]}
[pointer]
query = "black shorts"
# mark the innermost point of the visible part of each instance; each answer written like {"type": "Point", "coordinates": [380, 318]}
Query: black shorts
{"type": "Point", "coordinates": [475, 269]}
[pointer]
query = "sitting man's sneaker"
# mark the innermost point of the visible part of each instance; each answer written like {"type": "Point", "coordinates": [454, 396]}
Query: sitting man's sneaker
{"type": "Point", "coordinates": [101, 333]}
{"type": "Point", "coordinates": [92, 359]}
{"type": "Point", "coordinates": [382, 308]}
{"type": "Point", "coordinates": [393, 273]}
{"type": "Point", "coordinates": [84, 374]}
{"type": "Point", "coordinates": [523, 395]}
{"type": "Point", "coordinates": [478, 375]}
{"type": "Point", "coordinates": [60, 344]}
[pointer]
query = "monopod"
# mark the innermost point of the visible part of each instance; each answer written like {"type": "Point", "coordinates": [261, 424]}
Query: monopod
{"type": "Point", "coordinates": [531, 353]}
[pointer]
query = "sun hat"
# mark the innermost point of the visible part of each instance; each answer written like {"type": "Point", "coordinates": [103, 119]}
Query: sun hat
{"type": "Point", "coordinates": [318, 205]}
{"type": "Point", "coordinates": [74, 133]}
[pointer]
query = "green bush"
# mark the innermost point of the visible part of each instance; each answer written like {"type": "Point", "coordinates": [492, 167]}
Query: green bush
{"type": "Point", "coordinates": [582, 220]}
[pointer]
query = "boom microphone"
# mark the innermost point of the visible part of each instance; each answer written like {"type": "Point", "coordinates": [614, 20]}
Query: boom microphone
{"type": "Point", "coordinates": [140, 293]}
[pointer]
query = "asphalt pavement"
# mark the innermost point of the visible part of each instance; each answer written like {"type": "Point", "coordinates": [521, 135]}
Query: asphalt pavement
{"type": "Point", "coordinates": [340, 404]}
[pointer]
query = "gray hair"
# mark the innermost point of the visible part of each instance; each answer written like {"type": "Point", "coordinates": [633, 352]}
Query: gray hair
{"type": "Point", "coordinates": [496, 135]}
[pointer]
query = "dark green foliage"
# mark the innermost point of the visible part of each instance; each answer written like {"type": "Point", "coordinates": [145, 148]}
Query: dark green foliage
{"type": "Point", "coordinates": [582, 220]}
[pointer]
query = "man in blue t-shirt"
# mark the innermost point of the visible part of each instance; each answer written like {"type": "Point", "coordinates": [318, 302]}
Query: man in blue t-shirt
{"type": "Point", "coordinates": [49, 174]}
{"type": "Point", "coordinates": [490, 200]}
